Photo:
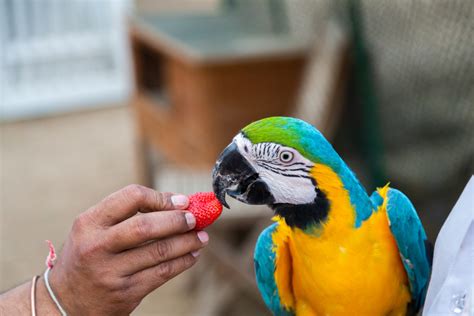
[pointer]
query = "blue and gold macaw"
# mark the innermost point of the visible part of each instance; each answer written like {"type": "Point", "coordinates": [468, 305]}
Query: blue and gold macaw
{"type": "Point", "coordinates": [332, 250]}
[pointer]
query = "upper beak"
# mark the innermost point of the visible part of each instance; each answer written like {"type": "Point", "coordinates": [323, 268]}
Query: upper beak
{"type": "Point", "coordinates": [234, 175]}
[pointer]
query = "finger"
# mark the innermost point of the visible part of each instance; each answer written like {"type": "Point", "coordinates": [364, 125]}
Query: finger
{"type": "Point", "coordinates": [149, 279]}
{"type": "Point", "coordinates": [151, 254]}
{"type": "Point", "coordinates": [132, 199]}
{"type": "Point", "coordinates": [137, 230]}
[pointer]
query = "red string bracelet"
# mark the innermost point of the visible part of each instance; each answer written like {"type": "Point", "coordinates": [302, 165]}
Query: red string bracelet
{"type": "Point", "coordinates": [51, 258]}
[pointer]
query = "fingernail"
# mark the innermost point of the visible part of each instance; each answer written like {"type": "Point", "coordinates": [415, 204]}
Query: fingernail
{"type": "Point", "coordinates": [203, 237]}
{"type": "Point", "coordinates": [179, 200]}
{"type": "Point", "coordinates": [190, 220]}
{"type": "Point", "coordinates": [196, 253]}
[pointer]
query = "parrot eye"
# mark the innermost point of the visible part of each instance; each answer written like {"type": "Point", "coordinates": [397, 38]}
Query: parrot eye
{"type": "Point", "coordinates": [286, 156]}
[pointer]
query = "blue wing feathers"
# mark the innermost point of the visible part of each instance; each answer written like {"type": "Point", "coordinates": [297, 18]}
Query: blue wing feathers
{"type": "Point", "coordinates": [264, 260]}
{"type": "Point", "coordinates": [410, 236]}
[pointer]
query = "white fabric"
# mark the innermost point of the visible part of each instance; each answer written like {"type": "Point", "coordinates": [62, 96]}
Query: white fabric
{"type": "Point", "coordinates": [451, 287]}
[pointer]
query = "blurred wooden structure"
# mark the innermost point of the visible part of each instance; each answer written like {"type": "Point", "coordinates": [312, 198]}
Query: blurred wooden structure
{"type": "Point", "coordinates": [202, 91]}
{"type": "Point", "coordinates": [323, 92]}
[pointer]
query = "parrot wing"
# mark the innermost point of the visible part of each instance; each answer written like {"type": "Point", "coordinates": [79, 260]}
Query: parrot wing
{"type": "Point", "coordinates": [411, 240]}
{"type": "Point", "coordinates": [265, 269]}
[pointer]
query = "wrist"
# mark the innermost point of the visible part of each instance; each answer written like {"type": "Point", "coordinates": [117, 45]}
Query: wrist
{"type": "Point", "coordinates": [44, 303]}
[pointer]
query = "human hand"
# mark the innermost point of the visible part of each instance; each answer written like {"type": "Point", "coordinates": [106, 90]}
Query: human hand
{"type": "Point", "coordinates": [122, 249]}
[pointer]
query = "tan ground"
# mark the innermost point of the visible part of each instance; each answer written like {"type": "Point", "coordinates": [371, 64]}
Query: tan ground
{"type": "Point", "coordinates": [51, 170]}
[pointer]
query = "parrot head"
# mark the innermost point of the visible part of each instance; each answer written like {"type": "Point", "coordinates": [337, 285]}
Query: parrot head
{"type": "Point", "coordinates": [270, 162]}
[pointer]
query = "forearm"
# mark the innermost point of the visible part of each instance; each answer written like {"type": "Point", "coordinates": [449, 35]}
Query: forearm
{"type": "Point", "coordinates": [18, 301]}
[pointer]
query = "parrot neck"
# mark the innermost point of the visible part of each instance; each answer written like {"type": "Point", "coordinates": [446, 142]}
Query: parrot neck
{"type": "Point", "coordinates": [357, 195]}
{"type": "Point", "coordinates": [348, 202]}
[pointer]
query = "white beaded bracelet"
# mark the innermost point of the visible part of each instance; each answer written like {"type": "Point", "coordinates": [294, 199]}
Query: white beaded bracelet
{"type": "Point", "coordinates": [33, 295]}
{"type": "Point", "coordinates": [51, 293]}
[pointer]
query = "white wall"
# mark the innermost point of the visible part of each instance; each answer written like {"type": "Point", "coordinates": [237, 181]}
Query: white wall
{"type": "Point", "coordinates": [58, 55]}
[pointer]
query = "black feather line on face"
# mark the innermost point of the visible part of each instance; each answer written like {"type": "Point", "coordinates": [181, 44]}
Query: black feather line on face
{"type": "Point", "coordinates": [285, 174]}
{"type": "Point", "coordinates": [298, 163]}
{"type": "Point", "coordinates": [273, 168]}
{"type": "Point", "coordinates": [286, 165]}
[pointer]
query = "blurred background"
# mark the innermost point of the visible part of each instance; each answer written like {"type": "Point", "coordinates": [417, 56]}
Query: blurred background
{"type": "Point", "coordinates": [95, 95]}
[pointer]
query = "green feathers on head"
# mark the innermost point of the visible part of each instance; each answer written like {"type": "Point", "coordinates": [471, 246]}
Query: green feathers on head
{"type": "Point", "coordinates": [294, 133]}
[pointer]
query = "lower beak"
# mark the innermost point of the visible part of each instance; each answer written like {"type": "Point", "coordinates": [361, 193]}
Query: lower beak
{"type": "Point", "coordinates": [234, 175]}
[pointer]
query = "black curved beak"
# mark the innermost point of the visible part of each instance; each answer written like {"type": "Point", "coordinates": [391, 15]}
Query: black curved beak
{"type": "Point", "coordinates": [234, 175]}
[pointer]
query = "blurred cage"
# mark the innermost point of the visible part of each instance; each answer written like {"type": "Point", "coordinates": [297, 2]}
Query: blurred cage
{"type": "Point", "coordinates": [57, 55]}
{"type": "Point", "coordinates": [413, 93]}
{"type": "Point", "coordinates": [423, 57]}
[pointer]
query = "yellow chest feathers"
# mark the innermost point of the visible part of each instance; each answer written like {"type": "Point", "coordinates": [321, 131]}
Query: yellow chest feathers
{"type": "Point", "coordinates": [341, 270]}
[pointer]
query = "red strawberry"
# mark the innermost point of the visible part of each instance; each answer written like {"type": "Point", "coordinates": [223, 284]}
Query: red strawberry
{"type": "Point", "coordinates": [205, 207]}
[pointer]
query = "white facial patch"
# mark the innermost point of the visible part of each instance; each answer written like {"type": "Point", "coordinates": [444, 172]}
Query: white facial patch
{"type": "Point", "coordinates": [283, 169]}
